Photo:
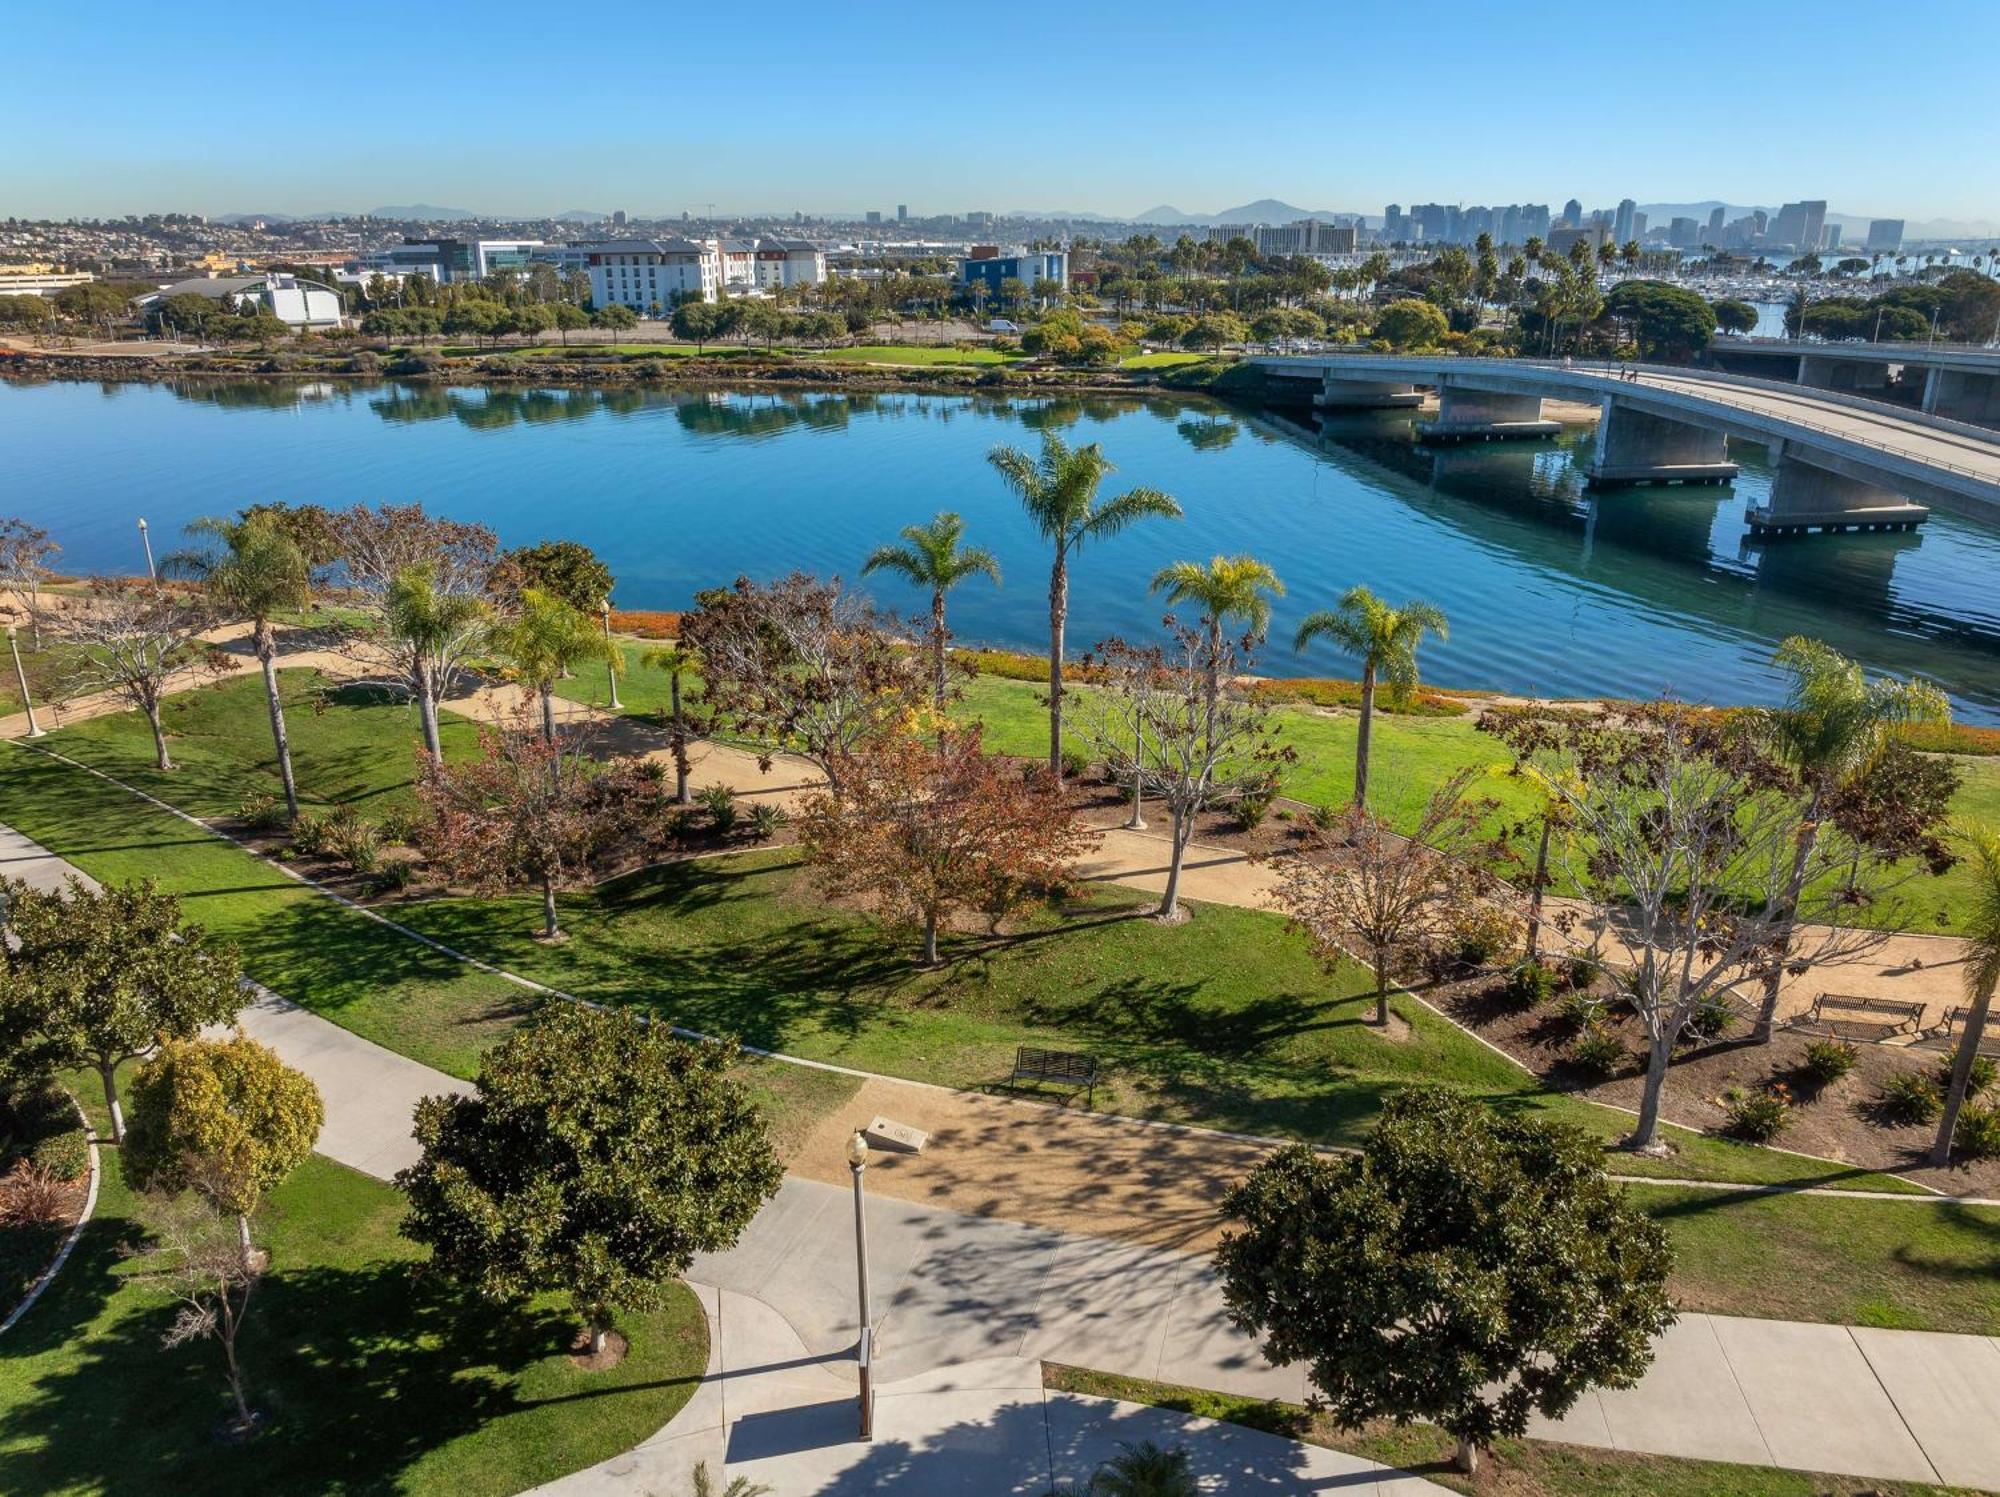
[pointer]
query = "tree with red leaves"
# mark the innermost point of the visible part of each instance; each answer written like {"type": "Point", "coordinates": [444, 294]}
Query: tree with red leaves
{"type": "Point", "coordinates": [526, 811]}
{"type": "Point", "coordinates": [923, 830]}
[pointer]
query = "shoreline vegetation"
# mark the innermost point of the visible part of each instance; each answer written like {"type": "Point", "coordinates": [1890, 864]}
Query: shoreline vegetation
{"type": "Point", "coordinates": [916, 368]}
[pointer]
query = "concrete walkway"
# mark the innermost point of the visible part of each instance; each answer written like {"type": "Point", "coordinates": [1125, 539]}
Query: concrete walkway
{"type": "Point", "coordinates": [967, 1307]}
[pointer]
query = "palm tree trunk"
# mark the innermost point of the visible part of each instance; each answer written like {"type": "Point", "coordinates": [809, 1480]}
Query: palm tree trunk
{"type": "Point", "coordinates": [267, 656]}
{"type": "Point", "coordinates": [1767, 1009]}
{"type": "Point", "coordinates": [1535, 891]}
{"type": "Point", "coordinates": [680, 742]}
{"type": "Point", "coordinates": [1961, 1075]}
{"type": "Point", "coordinates": [1363, 735]}
{"type": "Point", "coordinates": [937, 643]}
{"type": "Point", "coordinates": [550, 928]}
{"type": "Point", "coordinates": [1058, 616]}
{"type": "Point", "coordinates": [427, 710]}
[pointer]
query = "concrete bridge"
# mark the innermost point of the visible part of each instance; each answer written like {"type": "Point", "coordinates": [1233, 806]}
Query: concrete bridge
{"type": "Point", "coordinates": [1961, 382]}
{"type": "Point", "coordinates": [1842, 462]}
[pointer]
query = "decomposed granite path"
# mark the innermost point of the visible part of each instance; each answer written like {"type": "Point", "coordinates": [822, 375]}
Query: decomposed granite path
{"type": "Point", "coordinates": [967, 1306]}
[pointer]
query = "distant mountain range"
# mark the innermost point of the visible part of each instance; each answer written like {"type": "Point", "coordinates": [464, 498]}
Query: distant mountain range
{"type": "Point", "coordinates": [1263, 211]}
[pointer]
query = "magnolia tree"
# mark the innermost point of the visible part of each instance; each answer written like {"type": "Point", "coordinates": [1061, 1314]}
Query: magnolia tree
{"type": "Point", "coordinates": [421, 584]}
{"type": "Point", "coordinates": [133, 641]}
{"type": "Point", "coordinates": [98, 976]}
{"type": "Point", "coordinates": [527, 810]}
{"type": "Point", "coordinates": [595, 1157]}
{"type": "Point", "coordinates": [1467, 1267]}
{"type": "Point", "coordinates": [1362, 884]}
{"type": "Point", "coordinates": [1189, 743]}
{"type": "Point", "coordinates": [1708, 856]}
{"type": "Point", "coordinates": [925, 830]}
{"type": "Point", "coordinates": [801, 665]}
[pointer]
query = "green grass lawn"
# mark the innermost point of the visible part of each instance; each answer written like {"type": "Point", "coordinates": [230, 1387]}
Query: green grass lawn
{"type": "Point", "coordinates": [909, 353]}
{"type": "Point", "coordinates": [1513, 1468]}
{"type": "Point", "coordinates": [1161, 360]}
{"type": "Point", "coordinates": [350, 746]}
{"type": "Point", "coordinates": [371, 1377]}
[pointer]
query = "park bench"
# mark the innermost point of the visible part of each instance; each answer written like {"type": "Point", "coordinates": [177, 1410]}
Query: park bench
{"type": "Point", "coordinates": [1945, 1036]}
{"type": "Point", "coordinates": [1065, 1067]}
{"type": "Point", "coordinates": [1844, 1017]}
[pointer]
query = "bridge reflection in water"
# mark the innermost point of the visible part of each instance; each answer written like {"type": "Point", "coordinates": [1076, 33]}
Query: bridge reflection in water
{"type": "Point", "coordinates": [1680, 551]}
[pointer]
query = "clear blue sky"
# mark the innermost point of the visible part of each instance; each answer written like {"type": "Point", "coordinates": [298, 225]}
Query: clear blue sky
{"type": "Point", "coordinates": [536, 108]}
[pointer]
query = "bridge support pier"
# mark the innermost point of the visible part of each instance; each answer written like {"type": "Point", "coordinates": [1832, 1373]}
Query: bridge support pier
{"type": "Point", "coordinates": [1486, 416]}
{"type": "Point", "coordinates": [1367, 395]}
{"type": "Point", "coordinates": [1963, 395]}
{"type": "Point", "coordinates": [1809, 493]}
{"type": "Point", "coordinates": [1818, 372]}
{"type": "Point", "coordinates": [1635, 447]}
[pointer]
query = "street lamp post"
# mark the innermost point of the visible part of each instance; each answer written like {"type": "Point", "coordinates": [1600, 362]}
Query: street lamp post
{"type": "Point", "coordinates": [857, 1162]}
{"type": "Point", "coordinates": [35, 728]}
{"type": "Point", "coordinates": [146, 540]}
{"type": "Point", "coordinates": [611, 658]}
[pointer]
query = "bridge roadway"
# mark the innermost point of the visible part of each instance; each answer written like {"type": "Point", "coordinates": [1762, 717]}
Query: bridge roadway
{"type": "Point", "coordinates": [1865, 457]}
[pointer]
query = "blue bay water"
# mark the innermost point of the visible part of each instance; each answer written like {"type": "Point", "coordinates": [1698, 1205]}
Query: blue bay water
{"type": "Point", "coordinates": [1548, 589]}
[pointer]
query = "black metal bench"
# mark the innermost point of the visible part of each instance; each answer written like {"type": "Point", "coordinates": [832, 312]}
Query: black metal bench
{"type": "Point", "coordinates": [1066, 1067]}
{"type": "Point", "coordinates": [1845, 1017]}
{"type": "Point", "coordinates": [1945, 1036]}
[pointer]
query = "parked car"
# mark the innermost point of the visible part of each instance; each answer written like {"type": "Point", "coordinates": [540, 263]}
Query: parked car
{"type": "Point", "coordinates": [1001, 325]}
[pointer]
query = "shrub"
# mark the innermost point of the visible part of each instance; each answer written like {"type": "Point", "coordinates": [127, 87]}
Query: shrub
{"type": "Point", "coordinates": [1826, 1061]}
{"type": "Point", "coordinates": [1597, 1051]}
{"type": "Point", "coordinates": [1326, 818]}
{"type": "Point", "coordinates": [1529, 984]}
{"type": "Point", "coordinates": [1580, 971]}
{"type": "Point", "coordinates": [31, 1196]}
{"type": "Point", "coordinates": [647, 623]}
{"type": "Point", "coordinates": [1756, 1117]}
{"type": "Point", "coordinates": [1976, 1085]}
{"type": "Point", "coordinates": [1483, 935]}
{"type": "Point", "coordinates": [1978, 1133]}
{"type": "Point", "coordinates": [680, 824]}
{"type": "Point", "coordinates": [309, 836]}
{"type": "Point", "coordinates": [1324, 692]}
{"type": "Point", "coordinates": [65, 1155]}
{"type": "Point", "coordinates": [1710, 1018]}
{"type": "Point", "coordinates": [1580, 1009]}
{"type": "Point", "coordinates": [1254, 805]}
{"type": "Point", "coordinates": [719, 801]}
{"type": "Point", "coordinates": [1075, 764]}
{"type": "Point", "coordinates": [1911, 1097]}
{"type": "Point", "coordinates": [401, 826]}
{"type": "Point", "coordinates": [765, 819]}
{"type": "Point", "coordinates": [353, 840]}
{"type": "Point", "coordinates": [261, 811]}
{"type": "Point", "coordinates": [395, 874]}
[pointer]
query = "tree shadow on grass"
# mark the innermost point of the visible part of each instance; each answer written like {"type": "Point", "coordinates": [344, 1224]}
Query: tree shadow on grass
{"type": "Point", "coordinates": [359, 1372]}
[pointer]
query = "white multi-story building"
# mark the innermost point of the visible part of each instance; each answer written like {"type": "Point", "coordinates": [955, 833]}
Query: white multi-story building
{"type": "Point", "coordinates": [781, 263]}
{"type": "Point", "coordinates": [649, 274]}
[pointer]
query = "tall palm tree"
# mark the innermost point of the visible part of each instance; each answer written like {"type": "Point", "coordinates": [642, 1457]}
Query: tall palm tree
{"type": "Point", "coordinates": [932, 557]}
{"type": "Point", "coordinates": [675, 659]}
{"type": "Point", "coordinates": [428, 623]}
{"type": "Point", "coordinates": [1229, 587]}
{"type": "Point", "coordinates": [253, 570]}
{"type": "Point", "coordinates": [1385, 640]}
{"type": "Point", "coordinates": [1833, 726]}
{"type": "Point", "coordinates": [1982, 978]}
{"type": "Point", "coordinates": [1059, 492]}
{"type": "Point", "coordinates": [547, 638]}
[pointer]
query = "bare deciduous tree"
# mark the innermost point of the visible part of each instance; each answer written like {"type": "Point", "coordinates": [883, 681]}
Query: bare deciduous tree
{"type": "Point", "coordinates": [1393, 896]}
{"type": "Point", "coordinates": [134, 641]}
{"type": "Point", "coordinates": [1689, 836]}
{"type": "Point", "coordinates": [1194, 746]}
{"type": "Point", "coordinates": [25, 554]}
{"type": "Point", "coordinates": [198, 1261]}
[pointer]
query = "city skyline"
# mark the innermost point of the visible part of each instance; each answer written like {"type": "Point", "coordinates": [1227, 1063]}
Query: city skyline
{"type": "Point", "coordinates": [419, 108]}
